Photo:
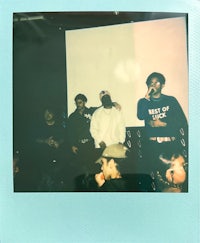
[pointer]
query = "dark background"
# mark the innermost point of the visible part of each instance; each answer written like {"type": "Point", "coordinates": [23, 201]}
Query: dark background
{"type": "Point", "coordinates": [39, 60]}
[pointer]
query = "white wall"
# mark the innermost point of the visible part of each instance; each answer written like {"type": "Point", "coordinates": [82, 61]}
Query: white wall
{"type": "Point", "coordinates": [119, 58]}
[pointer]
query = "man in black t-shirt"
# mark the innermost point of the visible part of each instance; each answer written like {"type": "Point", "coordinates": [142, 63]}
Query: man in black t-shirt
{"type": "Point", "coordinates": [83, 152]}
{"type": "Point", "coordinates": [165, 124]}
{"type": "Point", "coordinates": [79, 124]}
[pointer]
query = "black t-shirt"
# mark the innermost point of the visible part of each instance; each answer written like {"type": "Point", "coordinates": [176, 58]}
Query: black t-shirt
{"type": "Point", "coordinates": [78, 126]}
{"type": "Point", "coordinates": [166, 109]}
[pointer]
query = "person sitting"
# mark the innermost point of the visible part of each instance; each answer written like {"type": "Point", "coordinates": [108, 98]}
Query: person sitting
{"type": "Point", "coordinates": [175, 179]}
{"type": "Point", "coordinates": [110, 179]}
{"type": "Point", "coordinates": [50, 151]}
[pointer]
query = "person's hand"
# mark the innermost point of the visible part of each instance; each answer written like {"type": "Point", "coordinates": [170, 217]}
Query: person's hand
{"type": "Point", "coordinates": [74, 149]}
{"type": "Point", "coordinates": [117, 106]}
{"type": "Point", "coordinates": [149, 93]}
{"type": "Point", "coordinates": [100, 179]}
{"type": "Point", "coordinates": [55, 144]}
{"type": "Point", "coordinates": [52, 143]}
{"type": "Point", "coordinates": [157, 123]}
{"type": "Point", "coordinates": [49, 141]}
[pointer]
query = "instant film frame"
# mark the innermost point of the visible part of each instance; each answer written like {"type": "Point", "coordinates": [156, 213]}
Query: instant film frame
{"type": "Point", "coordinates": [104, 50]}
{"type": "Point", "coordinates": [31, 217]}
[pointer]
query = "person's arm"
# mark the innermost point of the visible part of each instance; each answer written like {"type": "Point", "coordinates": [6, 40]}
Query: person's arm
{"type": "Point", "coordinates": [50, 141]}
{"type": "Point", "coordinates": [178, 117]}
{"type": "Point", "coordinates": [149, 93]}
{"type": "Point", "coordinates": [102, 184]}
{"type": "Point", "coordinates": [142, 109]}
{"type": "Point", "coordinates": [71, 133]}
{"type": "Point", "coordinates": [99, 178]}
{"type": "Point", "coordinates": [142, 114]}
{"type": "Point", "coordinates": [157, 123]}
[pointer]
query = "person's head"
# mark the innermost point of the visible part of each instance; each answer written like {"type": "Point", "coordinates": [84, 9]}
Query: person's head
{"type": "Point", "coordinates": [105, 99]}
{"type": "Point", "coordinates": [156, 80]}
{"type": "Point", "coordinates": [80, 101]}
{"type": "Point", "coordinates": [111, 160]}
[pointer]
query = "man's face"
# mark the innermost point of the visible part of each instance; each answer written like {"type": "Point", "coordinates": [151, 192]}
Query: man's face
{"type": "Point", "coordinates": [156, 85]}
{"type": "Point", "coordinates": [106, 168]}
{"type": "Point", "coordinates": [80, 104]}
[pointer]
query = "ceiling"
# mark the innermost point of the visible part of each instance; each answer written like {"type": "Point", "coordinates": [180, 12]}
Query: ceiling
{"type": "Point", "coordinates": [77, 20]}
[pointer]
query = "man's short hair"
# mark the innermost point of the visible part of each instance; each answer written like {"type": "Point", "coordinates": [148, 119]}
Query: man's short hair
{"type": "Point", "coordinates": [81, 97]}
{"type": "Point", "coordinates": [159, 77]}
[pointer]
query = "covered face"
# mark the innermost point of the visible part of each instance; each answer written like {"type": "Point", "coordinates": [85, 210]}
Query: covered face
{"type": "Point", "coordinates": [105, 98]}
{"type": "Point", "coordinates": [106, 101]}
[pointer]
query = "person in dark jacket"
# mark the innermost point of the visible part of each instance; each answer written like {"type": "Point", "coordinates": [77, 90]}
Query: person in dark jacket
{"type": "Point", "coordinates": [80, 139]}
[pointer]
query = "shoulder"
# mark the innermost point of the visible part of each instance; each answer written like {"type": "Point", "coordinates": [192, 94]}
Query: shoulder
{"type": "Point", "coordinates": [116, 111]}
{"type": "Point", "coordinates": [143, 101]}
{"type": "Point", "coordinates": [73, 114]}
{"type": "Point", "coordinates": [91, 110]}
{"type": "Point", "coordinates": [169, 97]}
{"type": "Point", "coordinates": [98, 110]}
{"type": "Point", "coordinates": [164, 96]}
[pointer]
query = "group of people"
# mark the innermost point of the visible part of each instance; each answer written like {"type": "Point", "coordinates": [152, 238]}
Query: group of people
{"type": "Point", "coordinates": [92, 129]}
{"type": "Point", "coordinates": [97, 135]}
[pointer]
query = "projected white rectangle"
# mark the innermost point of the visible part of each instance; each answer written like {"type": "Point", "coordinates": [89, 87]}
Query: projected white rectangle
{"type": "Point", "coordinates": [119, 58]}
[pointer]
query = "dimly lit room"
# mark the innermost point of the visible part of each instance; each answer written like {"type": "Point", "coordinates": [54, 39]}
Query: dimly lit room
{"type": "Point", "coordinates": [58, 55]}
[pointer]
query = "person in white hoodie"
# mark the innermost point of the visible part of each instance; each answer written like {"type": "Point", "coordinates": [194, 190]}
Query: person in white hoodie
{"type": "Point", "coordinates": [107, 124]}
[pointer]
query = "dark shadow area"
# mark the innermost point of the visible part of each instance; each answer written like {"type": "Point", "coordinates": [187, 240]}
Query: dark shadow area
{"type": "Point", "coordinates": [135, 182]}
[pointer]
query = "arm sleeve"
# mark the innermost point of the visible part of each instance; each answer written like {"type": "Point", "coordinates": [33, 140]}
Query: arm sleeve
{"type": "Point", "coordinates": [179, 116]}
{"type": "Point", "coordinates": [70, 132]}
{"type": "Point", "coordinates": [142, 109]}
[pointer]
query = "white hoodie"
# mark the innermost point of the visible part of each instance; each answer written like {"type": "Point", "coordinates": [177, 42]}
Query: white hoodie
{"type": "Point", "coordinates": [107, 125]}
